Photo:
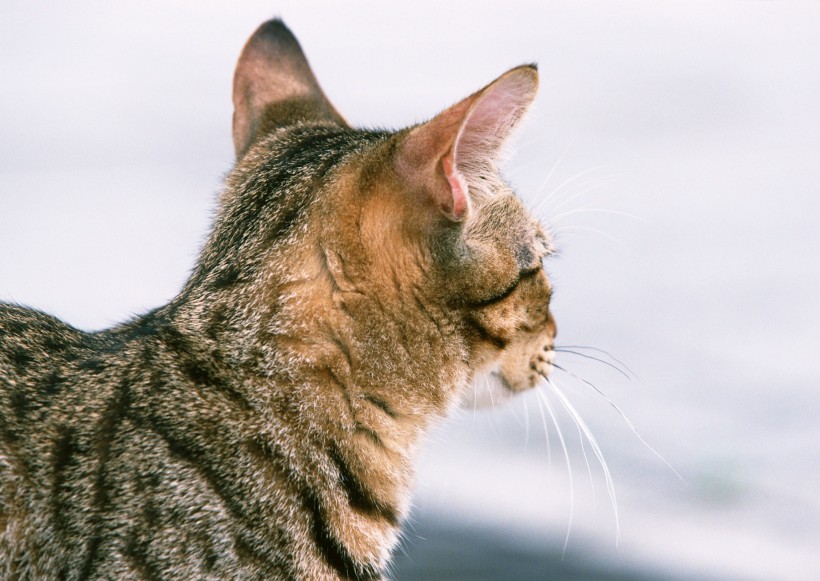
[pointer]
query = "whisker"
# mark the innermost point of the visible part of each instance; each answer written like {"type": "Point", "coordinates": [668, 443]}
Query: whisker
{"type": "Point", "coordinates": [547, 441]}
{"type": "Point", "coordinates": [573, 193]}
{"type": "Point", "coordinates": [576, 176]}
{"type": "Point", "coordinates": [629, 424]}
{"type": "Point", "coordinates": [557, 230]}
{"type": "Point", "coordinates": [601, 210]}
{"type": "Point", "coordinates": [489, 392]}
{"type": "Point", "coordinates": [569, 467]}
{"type": "Point", "coordinates": [607, 353]}
{"type": "Point", "coordinates": [598, 359]}
{"type": "Point", "coordinates": [526, 424]}
{"type": "Point", "coordinates": [494, 417]}
{"type": "Point", "coordinates": [595, 448]}
{"type": "Point", "coordinates": [581, 440]}
{"type": "Point", "coordinates": [475, 399]}
{"type": "Point", "coordinates": [554, 167]}
{"type": "Point", "coordinates": [563, 188]}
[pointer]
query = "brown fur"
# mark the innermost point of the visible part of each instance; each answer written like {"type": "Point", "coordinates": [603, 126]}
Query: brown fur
{"type": "Point", "coordinates": [264, 423]}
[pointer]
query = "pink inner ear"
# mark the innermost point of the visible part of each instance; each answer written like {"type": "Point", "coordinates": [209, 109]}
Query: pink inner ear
{"type": "Point", "coordinates": [492, 118]}
{"type": "Point", "coordinates": [458, 187]}
{"type": "Point", "coordinates": [465, 140]}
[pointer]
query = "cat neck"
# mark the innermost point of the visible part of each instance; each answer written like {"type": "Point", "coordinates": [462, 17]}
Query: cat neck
{"type": "Point", "coordinates": [348, 415]}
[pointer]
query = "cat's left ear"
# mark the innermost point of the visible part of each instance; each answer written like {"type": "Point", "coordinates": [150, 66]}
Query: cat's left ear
{"type": "Point", "coordinates": [274, 86]}
{"type": "Point", "coordinates": [442, 157]}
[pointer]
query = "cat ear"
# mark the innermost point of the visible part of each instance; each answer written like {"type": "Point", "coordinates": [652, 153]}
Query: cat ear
{"type": "Point", "coordinates": [443, 156]}
{"type": "Point", "coordinates": [274, 87]}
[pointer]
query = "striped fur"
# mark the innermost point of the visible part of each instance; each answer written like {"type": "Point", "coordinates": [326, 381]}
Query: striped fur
{"type": "Point", "coordinates": [263, 424]}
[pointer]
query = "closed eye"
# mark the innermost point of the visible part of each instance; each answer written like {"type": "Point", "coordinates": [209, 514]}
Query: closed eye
{"type": "Point", "coordinates": [523, 275]}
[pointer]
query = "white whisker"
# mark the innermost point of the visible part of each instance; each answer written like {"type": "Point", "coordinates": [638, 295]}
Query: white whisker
{"type": "Point", "coordinates": [554, 194]}
{"type": "Point", "coordinates": [610, 485]}
{"type": "Point", "coordinates": [475, 398]}
{"type": "Point", "coordinates": [571, 193]}
{"type": "Point", "coordinates": [489, 389]}
{"type": "Point", "coordinates": [579, 189]}
{"type": "Point", "coordinates": [607, 353]}
{"type": "Point", "coordinates": [560, 229]}
{"type": "Point", "coordinates": [581, 440]}
{"type": "Point", "coordinates": [628, 422]}
{"type": "Point", "coordinates": [561, 349]}
{"type": "Point", "coordinates": [547, 441]}
{"type": "Point", "coordinates": [526, 424]}
{"type": "Point", "coordinates": [546, 402]}
{"type": "Point", "coordinates": [576, 176]}
{"type": "Point", "coordinates": [555, 219]}
{"type": "Point", "coordinates": [557, 163]}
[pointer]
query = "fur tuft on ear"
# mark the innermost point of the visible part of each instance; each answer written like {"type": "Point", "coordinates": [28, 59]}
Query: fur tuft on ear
{"type": "Point", "coordinates": [274, 87]}
{"type": "Point", "coordinates": [445, 155]}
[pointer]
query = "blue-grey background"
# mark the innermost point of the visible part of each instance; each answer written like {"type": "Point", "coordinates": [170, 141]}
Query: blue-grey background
{"type": "Point", "coordinates": [675, 150]}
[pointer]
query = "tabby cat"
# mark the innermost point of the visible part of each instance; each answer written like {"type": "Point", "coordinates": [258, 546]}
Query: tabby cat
{"type": "Point", "coordinates": [264, 423]}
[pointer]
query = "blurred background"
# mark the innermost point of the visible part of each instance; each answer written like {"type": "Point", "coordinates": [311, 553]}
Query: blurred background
{"type": "Point", "coordinates": [674, 149]}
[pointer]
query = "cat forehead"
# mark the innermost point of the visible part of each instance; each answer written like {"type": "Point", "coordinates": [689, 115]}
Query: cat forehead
{"type": "Point", "coordinates": [498, 207]}
{"type": "Point", "coordinates": [502, 219]}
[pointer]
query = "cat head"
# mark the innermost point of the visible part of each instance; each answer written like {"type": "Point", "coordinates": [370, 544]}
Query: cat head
{"type": "Point", "coordinates": [407, 246]}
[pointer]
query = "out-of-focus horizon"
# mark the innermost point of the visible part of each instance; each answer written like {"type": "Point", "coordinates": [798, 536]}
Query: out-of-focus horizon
{"type": "Point", "coordinates": [674, 149]}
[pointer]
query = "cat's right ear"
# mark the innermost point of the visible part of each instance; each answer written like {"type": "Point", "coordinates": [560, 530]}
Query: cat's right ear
{"type": "Point", "coordinates": [274, 87]}
{"type": "Point", "coordinates": [441, 158]}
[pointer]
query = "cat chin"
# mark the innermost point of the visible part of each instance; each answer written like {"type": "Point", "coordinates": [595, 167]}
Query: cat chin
{"type": "Point", "coordinates": [487, 390]}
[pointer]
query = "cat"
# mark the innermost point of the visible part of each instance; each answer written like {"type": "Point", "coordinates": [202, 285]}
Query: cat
{"type": "Point", "coordinates": [264, 423]}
